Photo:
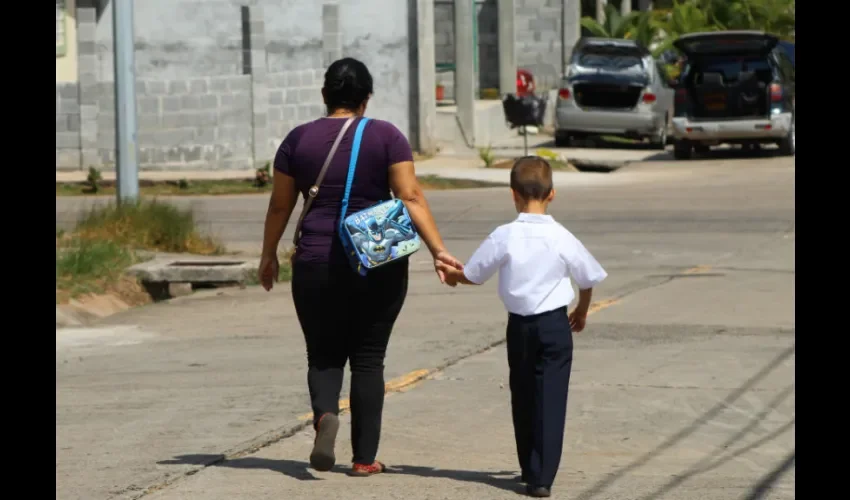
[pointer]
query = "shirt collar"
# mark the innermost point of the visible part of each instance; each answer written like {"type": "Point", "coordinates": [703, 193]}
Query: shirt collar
{"type": "Point", "coordinates": [535, 218]}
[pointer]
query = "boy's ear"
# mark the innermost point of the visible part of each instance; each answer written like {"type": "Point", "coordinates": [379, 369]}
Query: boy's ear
{"type": "Point", "coordinates": [551, 195]}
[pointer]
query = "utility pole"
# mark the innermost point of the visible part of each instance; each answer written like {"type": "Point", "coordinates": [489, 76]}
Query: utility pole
{"type": "Point", "coordinates": [126, 148]}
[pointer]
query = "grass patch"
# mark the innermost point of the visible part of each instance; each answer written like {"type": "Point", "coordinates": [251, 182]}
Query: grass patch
{"type": "Point", "coordinates": [209, 187]}
{"type": "Point", "coordinates": [435, 182]}
{"type": "Point", "coordinates": [557, 165]}
{"type": "Point", "coordinates": [93, 257]}
{"type": "Point", "coordinates": [85, 266]}
{"type": "Point", "coordinates": [148, 225]}
{"type": "Point", "coordinates": [170, 188]}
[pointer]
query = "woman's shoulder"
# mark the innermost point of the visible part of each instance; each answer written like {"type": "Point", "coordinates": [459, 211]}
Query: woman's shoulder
{"type": "Point", "coordinates": [383, 126]}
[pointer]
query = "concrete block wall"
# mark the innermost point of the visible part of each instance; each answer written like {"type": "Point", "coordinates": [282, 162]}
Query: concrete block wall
{"type": "Point", "coordinates": [294, 97]}
{"type": "Point", "coordinates": [538, 40]}
{"type": "Point", "coordinates": [196, 108]}
{"type": "Point", "coordinates": [184, 123]}
{"type": "Point", "coordinates": [67, 125]}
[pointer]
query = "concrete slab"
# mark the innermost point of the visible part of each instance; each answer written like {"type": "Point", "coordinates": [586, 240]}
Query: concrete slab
{"type": "Point", "coordinates": [195, 270]}
{"type": "Point", "coordinates": [661, 384]}
{"type": "Point", "coordinates": [698, 431]}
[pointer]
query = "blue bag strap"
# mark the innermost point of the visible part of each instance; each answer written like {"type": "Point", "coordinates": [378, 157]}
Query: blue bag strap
{"type": "Point", "coordinates": [352, 166]}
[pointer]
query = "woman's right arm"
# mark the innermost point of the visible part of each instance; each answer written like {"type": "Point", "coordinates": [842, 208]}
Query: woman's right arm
{"type": "Point", "coordinates": [406, 187]}
{"type": "Point", "coordinates": [282, 203]}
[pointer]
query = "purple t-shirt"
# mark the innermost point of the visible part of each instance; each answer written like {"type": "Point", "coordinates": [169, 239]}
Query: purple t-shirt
{"type": "Point", "coordinates": [302, 154]}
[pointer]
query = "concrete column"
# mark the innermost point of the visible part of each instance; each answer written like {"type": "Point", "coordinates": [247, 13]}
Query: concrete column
{"type": "Point", "coordinates": [465, 68]}
{"type": "Point", "coordinates": [254, 31]}
{"type": "Point", "coordinates": [331, 34]}
{"type": "Point", "coordinates": [507, 47]}
{"type": "Point", "coordinates": [600, 10]}
{"type": "Point", "coordinates": [570, 30]}
{"type": "Point", "coordinates": [89, 91]}
{"type": "Point", "coordinates": [626, 7]}
{"type": "Point", "coordinates": [425, 67]}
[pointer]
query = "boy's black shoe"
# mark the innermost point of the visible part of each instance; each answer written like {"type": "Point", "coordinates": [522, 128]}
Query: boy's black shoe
{"type": "Point", "coordinates": [538, 491]}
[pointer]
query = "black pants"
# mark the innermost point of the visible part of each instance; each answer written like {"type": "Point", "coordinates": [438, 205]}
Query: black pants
{"type": "Point", "coordinates": [540, 356]}
{"type": "Point", "coordinates": [347, 317]}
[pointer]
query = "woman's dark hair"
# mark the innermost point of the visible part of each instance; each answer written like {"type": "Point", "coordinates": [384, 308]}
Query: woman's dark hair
{"type": "Point", "coordinates": [348, 84]}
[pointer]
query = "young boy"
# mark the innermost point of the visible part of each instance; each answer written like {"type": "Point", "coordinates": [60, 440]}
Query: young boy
{"type": "Point", "coordinates": [536, 257]}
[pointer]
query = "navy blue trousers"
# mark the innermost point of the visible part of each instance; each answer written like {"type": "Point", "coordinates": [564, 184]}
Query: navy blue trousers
{"type": "Point", "coordinates": [540, 357]}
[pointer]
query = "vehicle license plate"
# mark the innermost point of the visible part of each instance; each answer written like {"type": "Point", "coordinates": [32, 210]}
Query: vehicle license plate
{"type": "Point", "coordinates": [715, 102]}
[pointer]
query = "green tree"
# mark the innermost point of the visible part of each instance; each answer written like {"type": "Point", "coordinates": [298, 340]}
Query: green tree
{"type": "Point", "coordinates": [615, 24]}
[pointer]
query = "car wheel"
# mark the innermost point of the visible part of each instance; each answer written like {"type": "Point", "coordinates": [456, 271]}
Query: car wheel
{"type": "Point", "coordinates": [701, 148]}
{"type": "Point", "coordinates": [562, 140]}
{"type": "Point", "coordinates": [788, 145]}
{"type": "Point", "coordinates": [660, 140]}
{"type": "Point", "coordinates": [683, 150]}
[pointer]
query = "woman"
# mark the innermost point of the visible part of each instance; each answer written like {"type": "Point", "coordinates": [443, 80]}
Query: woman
{"type": "Point", "coordinates": [344, 316]}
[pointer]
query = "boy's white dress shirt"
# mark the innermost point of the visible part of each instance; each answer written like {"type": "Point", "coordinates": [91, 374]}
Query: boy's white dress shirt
{"type": "Point", "coordinates": [535, 257]}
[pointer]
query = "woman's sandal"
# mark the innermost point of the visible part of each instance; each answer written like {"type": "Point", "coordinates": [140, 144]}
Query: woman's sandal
{"type": "Point", "coordinates": [361, 470]}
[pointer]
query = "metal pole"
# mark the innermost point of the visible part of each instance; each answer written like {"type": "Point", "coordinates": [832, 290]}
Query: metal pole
{"type": "Point", "coordinates": [126, 148]}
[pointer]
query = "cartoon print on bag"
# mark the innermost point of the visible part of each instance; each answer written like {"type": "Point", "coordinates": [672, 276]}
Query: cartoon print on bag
{"type": "Point", "coordinates": [377, 237]}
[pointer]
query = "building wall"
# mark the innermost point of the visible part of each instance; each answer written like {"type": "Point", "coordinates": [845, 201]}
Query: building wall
{"type": "Point", "coordinates": [206, 100]}
{"type": "Point", "coordinates": [67, 125]}
{"type": "Point", "coordinates": [538, 40]}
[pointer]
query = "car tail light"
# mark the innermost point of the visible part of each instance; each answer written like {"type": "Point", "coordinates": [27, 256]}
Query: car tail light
{"type": "Point", "coordinates": [564, 93]}
{"type": "Point", "coordinates": [775, 92]}
{"type": "Point", "coordinates": [649, 97]}
{"type": "Point", "coordinates": [681, 96]}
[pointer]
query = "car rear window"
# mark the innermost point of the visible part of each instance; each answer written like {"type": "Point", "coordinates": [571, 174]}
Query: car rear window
{"type": "Point", "coordinates": [609, 61]}
{"type": "Point", "coordinates": [730, 68]}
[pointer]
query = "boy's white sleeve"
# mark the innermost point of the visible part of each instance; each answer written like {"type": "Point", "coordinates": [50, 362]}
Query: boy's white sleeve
{"type": "Point", "coordinates": [583, 267]}
{"type": "Point", "coordinates": [485, 261]}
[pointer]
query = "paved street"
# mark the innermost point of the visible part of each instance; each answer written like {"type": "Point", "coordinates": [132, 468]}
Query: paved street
{"type": "Point", "coordinates": [682, 387]}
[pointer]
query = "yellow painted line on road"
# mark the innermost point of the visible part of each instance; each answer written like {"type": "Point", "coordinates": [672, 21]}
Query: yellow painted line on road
{"type": "Point", "coordinates": [404, 382]}
{"type": "Point", "coordinates": [394, 385]}
{"type": "Point", "coordinates": [697, 270]}
{"type": "Point", "coordinates": [600, 305]}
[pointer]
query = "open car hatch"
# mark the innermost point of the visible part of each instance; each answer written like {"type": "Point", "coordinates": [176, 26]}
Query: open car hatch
{"type": "Point", "coordinates": [726, 43]}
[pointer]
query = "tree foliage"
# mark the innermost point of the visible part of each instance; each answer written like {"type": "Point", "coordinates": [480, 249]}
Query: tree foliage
{"type": "Point", "coordinates": [657, 29]}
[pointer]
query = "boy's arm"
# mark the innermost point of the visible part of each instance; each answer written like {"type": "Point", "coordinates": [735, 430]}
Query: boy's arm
{"type": "Point", "coordinates": [578, 318]}
{"type": "Point", "coordinates": [587, 273]}
{"type": "Point", "coordinates": [481, 266]}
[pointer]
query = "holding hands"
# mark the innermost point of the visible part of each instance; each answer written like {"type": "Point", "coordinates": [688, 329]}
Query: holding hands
{"type": "Point", "coordinates": [447, 267]}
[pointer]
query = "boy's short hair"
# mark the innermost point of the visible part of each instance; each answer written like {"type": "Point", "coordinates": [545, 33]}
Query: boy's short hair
{"type": "Point", "coordinates": [531, 178]}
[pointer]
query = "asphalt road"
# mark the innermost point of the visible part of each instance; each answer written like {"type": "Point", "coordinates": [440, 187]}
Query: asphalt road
{"type": "Point", "coordinates": [683, 384]}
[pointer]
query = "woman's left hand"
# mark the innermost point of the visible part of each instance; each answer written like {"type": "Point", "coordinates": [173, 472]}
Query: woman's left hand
{"type": "Point", "coordinates": [444, 258]}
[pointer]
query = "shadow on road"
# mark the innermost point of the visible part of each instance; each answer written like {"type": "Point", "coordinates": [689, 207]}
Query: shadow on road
{"type": "Point", "coordinates": [467, 476]}
{"type": "Point", "coordinates": [763, 486]}
{"type": "Point", "coordinates": [295, 469]}
{"type": "Point", "coordinates": [300, 470]}
{"type": "Point", "coordinates": [692, 428]}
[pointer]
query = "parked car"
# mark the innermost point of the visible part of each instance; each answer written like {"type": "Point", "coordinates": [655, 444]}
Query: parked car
{"type": "Point", "coordinates": [737, 87]}
{"type": "Point", "coordinates": [613, 87]}
{"type": "Point", "coordinates": [790, 49]}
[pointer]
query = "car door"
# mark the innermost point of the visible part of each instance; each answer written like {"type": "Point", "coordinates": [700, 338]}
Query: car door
{"type": "Point", "coordinates": [666, 92]}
